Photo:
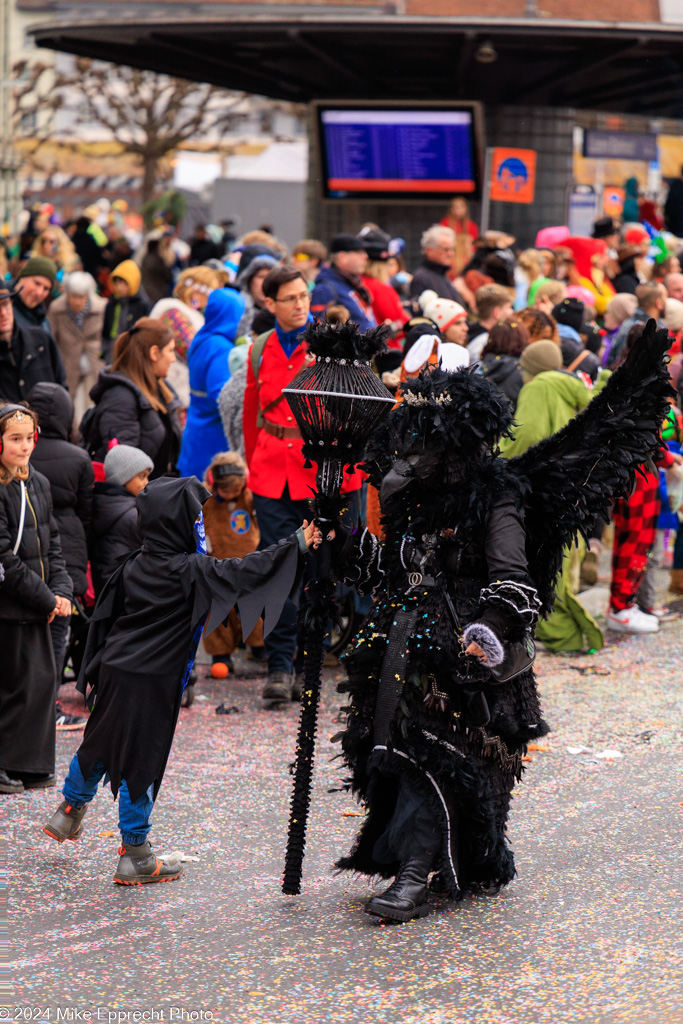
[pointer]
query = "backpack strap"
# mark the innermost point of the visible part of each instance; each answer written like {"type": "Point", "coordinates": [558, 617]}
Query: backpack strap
{"type": "Point", "coordinates": [255, 359]}
{"type": "Point", "coordinates": [577, 362]}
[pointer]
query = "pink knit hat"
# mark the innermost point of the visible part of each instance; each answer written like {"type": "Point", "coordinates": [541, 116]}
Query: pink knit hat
{"type": "Point", "coordinates": [548, 238]}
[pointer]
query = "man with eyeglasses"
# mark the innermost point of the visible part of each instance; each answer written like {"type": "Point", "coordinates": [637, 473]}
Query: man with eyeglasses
{"type": "Point", "coordinates": [281, 486]}
{"type": "Point", "coordinates": [438, 247]}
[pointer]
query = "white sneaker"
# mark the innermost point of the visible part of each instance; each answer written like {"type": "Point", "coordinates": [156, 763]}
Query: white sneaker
{"type": "Point", "coordinates": [632, 620]}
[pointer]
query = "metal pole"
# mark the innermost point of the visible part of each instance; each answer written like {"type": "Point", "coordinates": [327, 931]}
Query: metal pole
{"type": "Point", "coordinates": [486, 198]}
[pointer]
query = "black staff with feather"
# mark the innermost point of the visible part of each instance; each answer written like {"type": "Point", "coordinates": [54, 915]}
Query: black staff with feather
{"type": "Point", "coordinates": [337, 402]}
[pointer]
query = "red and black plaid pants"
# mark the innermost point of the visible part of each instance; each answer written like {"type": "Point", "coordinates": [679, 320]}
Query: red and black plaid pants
{"type": "Point", "coordinates": [635, 524]}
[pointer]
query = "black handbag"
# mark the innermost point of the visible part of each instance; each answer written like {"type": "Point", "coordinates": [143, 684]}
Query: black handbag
{"type": "Point", "coordinates": [519, 656]}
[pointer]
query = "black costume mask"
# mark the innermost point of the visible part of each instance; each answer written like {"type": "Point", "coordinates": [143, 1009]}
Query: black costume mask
{"type": "Point", "coordinates": [168, 509]}
{"type": "Point", "coordinates": [419, 466]}
{"type": "Point", "coordinates": [446, 422]}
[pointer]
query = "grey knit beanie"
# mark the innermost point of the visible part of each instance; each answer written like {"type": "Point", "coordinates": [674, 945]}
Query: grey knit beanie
{"type": "Point", "coordinates": [123, 462]}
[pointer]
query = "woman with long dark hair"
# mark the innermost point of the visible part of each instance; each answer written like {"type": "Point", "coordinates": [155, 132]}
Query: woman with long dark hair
{"type": "Point", "coordinates": [134, 403]}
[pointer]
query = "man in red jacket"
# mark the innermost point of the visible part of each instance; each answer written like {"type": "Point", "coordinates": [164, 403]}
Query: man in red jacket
{"type": "Point", "coordinates": [281, 486]}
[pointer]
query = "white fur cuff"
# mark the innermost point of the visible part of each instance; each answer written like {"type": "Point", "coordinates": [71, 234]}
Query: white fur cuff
{"type": "Point", "coordinates": [480, 634]}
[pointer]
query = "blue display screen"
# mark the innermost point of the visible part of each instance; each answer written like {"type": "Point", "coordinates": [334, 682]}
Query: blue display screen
{"type": "Point", "coordinates": [397, 152]}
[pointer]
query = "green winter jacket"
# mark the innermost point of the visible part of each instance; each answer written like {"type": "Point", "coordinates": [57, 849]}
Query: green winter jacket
{"type": "Point", "coordinates": [545, 405]}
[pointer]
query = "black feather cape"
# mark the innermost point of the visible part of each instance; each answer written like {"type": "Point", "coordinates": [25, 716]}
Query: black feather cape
{"type": "Point", "coordinates": [146, 617]}
{"type": "Point", "coordinates": [563, 482]}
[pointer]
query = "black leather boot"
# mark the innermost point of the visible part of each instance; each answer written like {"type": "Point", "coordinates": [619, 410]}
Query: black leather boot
{"type": "Point", "coordinates": [8, 785]}
{"type": "Point", "coordinates": [406, 897]}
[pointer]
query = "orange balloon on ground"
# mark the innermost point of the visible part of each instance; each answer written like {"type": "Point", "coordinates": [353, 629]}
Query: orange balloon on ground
{"type": "Point", "coordinates": [219, 670]}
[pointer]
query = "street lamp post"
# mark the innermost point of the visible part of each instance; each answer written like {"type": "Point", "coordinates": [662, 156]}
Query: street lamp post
{"type": "Point", "coordinates": [9, 158]}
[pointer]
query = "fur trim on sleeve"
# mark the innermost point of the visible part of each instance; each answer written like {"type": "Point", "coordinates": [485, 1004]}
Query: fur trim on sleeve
{"type": "Point", "coordinates": [480, 634]}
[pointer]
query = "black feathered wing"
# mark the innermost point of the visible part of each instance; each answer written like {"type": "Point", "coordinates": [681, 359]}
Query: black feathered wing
{"type": "Point", "coordinates": [573, 476]}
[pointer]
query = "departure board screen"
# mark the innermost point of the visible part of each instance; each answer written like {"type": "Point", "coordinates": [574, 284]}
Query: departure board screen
{"type": "Point", "coordinates": [397, 153]}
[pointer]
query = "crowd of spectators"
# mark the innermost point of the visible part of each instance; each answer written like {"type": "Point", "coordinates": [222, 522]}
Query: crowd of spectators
{"type": "Point", "coordinates": [140, 357]}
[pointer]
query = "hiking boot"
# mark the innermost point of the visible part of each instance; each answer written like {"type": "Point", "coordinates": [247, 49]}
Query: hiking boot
{"type": "Point", "coordinates": [298, 686]}
{"type": "Point", "coordinates": [66, 822]}
{"type": "Point", "coordinates": [632, 620]}
{"type": "Point", "coordinates": [278, 688]}
{"type": "Point", "coordinates": [138, 866]}
{"type": "Point", "coordinates": [8, 785]}
{"type": "Point", "coordinates": [68, 723]}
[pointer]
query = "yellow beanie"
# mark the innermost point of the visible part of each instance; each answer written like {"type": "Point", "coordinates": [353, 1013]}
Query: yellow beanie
{"type": "Point", "coordinates": [129, 271]}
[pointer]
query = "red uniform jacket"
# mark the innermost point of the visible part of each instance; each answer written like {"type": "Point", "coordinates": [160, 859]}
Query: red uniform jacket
{"type": "Point", "coordinates": [275, 462]}
{"type": "Point", "coordinates": [386, 305]}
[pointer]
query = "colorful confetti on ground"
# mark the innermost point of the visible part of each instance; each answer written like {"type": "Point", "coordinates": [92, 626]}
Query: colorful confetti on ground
{"type": "Point", "coordinates": [589, 932]}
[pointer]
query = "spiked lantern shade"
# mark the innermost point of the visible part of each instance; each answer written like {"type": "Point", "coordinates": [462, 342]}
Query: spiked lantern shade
{"type": "Point", "coordinates": [337, 401]}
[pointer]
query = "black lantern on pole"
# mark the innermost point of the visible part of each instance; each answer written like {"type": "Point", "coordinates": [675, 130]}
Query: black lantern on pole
{"type": "Point", "coordinates": [337, 402]}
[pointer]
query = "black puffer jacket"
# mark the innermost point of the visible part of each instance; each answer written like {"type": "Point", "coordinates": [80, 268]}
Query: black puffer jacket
{"type": "Point", "coordinates": [589, 364]}
{"type": "Point", "coordinates": [122, 412]}
{"type": "Point", "coordinates": [504, 371]}
{"type": "Point", "coordinates": [37, 572]}
{"type": "Point", "coordinates": [70, 473]}
{"type": "Point", "coordinates": [114, 532]}
{"type": "Point", "coordinates": [30, 356]}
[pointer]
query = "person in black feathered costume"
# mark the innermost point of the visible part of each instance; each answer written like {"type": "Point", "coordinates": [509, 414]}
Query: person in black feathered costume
{"type": "Point", "coordinates": [472, 547]}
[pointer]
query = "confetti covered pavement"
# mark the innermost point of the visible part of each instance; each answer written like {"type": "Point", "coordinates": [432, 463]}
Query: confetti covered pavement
{"type": "Point", "coordinates": [590, 931]}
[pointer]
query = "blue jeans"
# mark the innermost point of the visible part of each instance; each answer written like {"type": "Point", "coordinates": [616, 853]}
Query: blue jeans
{"type": "Point", "coordinates": [133, 816]}
{"type": "Point", "coordinates": [279, 518]}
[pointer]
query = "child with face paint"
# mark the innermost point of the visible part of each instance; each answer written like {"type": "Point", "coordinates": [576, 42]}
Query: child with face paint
{"type": "Point", "coordinates": [35, 588]}
{"type": "Point", "coordinates": [141, 646]}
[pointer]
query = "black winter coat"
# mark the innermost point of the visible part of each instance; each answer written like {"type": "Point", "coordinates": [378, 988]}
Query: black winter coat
{"type": "Point", "coordinates": [504, 371]}
{"type": "Point", "coordinates": [132, 308]}
{"type": "Point", "coordinates": [115, 531]}
{"type": "Point", "coordinates": [70, 472]}
{"type": "Point", "coordinates": [37, 572]}
{"type": "Point", "coordinates": [32, 356]}
{"type": "Point", "coordinates": [590, 363]}
{"type": "Point", "coordinates": [626, 282]}
{"type": "Point", "coordinates": [432, 276]}
{"type": "Point", "coordinates": [123, 412]}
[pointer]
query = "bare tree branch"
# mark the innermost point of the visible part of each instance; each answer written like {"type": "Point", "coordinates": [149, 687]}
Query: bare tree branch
{"type": "Point", "coordinates": [148, 115]}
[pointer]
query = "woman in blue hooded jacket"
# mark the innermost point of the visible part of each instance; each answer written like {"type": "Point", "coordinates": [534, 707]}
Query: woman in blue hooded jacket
{"type": "Point", "coordinates": [207, 360]}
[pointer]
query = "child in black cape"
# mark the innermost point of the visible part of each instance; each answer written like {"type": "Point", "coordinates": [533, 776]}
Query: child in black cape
{"type": "Point", "coordinates": [143, 637]}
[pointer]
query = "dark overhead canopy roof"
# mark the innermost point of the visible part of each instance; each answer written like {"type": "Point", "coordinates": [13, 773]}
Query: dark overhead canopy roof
{"type": "Point", "coordinates": [636, 68]}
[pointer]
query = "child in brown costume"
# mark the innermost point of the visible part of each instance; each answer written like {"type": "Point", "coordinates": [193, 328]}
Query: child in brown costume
{"type": "Point", "coordinates": [231, 532]}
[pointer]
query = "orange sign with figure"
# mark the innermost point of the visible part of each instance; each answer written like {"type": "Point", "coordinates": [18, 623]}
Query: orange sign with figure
{"type": "Point", "coordinates": [613, 202]}
{"type": "Point", "coordinates": [513, 175]}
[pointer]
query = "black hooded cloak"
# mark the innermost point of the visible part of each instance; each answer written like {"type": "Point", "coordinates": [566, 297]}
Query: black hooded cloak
{"type": "Point", "coordinates": [146, 619]}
